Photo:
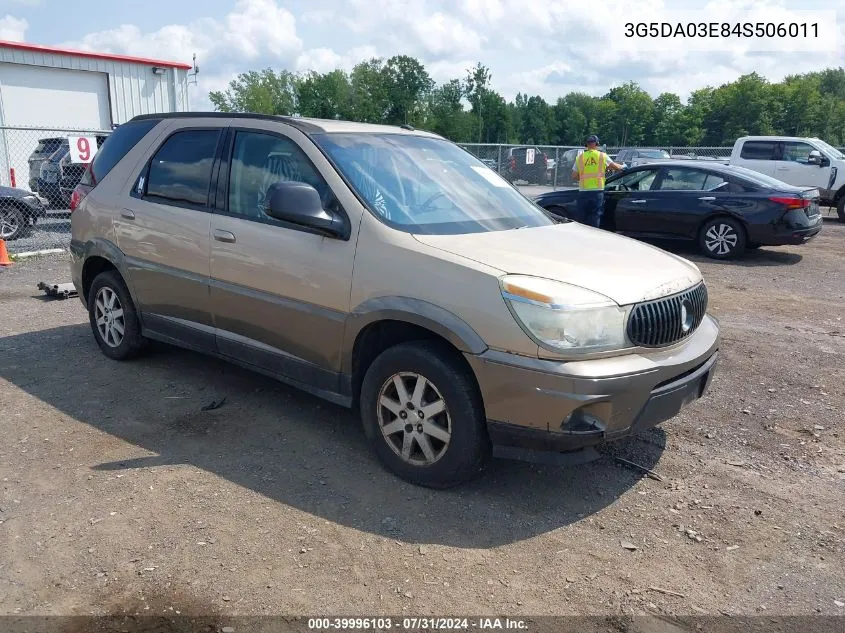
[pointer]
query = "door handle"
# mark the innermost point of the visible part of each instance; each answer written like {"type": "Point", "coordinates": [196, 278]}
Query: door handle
{"type": "Point", "coordinates": [638, 201]}
{"type": "Point", "coordinates": [127, 213]}
{"type": "Point", "coordinates": [224, 236]}
{"type": "Point", "coordinates": [707, 198]}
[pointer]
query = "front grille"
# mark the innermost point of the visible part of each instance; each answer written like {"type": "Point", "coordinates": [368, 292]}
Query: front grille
{"type": "Point", "coordinates": [668, 320]}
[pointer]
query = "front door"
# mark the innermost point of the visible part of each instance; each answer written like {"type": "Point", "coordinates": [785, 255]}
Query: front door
{"type": "Point", "coordinates": [163, 228]}
{"type": "Point", "coordinates": [280, 294]}
{"type": "Point", "coordinates": [627, 200]}
{"type": "Point", "coordinates": [793, 166]}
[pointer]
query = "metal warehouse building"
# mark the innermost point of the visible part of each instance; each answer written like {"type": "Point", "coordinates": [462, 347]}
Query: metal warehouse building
{"type": "Point", "coordinates": [50, 90]}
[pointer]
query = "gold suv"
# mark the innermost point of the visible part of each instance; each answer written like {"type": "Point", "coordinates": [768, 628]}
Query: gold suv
{"type": "Point", "coordinates": [386, 269]}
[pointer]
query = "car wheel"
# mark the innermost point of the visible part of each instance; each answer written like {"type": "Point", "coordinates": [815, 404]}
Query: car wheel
{"type": "Point", "coordinates": [840, 209]}
{"type": "Point", "coordinates": [13, 224]}
{"type": "Point", "coordinates": [423, 415]}
{"type": "Point", "coordinates": [114, 319]}
{"type": "Point", "coordinates": [722, 238]}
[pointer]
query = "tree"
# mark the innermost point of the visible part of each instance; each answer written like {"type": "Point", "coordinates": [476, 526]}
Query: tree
{"type": "Point", "coordinates": [263, 92]}
{"type": "Point", "coordinates": [408, 84]}
{"type": "Point", "coordinates": [370, 100]}
{"type": "Point", "coordinates": [325, 96]}
{"type": "Point", "coordinates": [476, 85]}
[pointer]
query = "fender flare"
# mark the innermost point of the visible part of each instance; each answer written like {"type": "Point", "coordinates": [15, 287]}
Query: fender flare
{"type": "Point", "coordinates": [416, 312]}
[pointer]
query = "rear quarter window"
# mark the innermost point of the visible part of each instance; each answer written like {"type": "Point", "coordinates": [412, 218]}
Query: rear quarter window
{"type": "Point", "coordinates": [117, 145]}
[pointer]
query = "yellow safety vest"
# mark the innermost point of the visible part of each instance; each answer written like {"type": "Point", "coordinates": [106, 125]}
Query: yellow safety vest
{"type": "Point", "coordinates": [591, 169]}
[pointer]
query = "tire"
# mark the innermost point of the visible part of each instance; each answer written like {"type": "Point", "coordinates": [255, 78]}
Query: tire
{"type": "Point", "coordinates": [722, 238]}
{"type": "Point", "coordinates": [107, 296]}
{"type": "Point", "coordinates": [13, 224]}
{"type": "Point", "coordinates": [461, 447]}
{"type": "Point", "coordinates": [840, 209]}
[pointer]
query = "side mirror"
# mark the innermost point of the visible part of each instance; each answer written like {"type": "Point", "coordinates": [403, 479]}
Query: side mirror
{"type": "Point", "coordinates": [815, 157]}
{"type": "Point", "coordinates": [299, 203]}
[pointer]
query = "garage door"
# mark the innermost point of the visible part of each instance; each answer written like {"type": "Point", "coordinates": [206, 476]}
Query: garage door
{"type": "Point", "coordinates": [46, 98]}
{"type": "Point", "coordinates": [34, 96]}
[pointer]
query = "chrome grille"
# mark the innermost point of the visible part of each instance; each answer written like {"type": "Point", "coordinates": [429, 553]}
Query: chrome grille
{"type": "Point", "coordinates": [669, 319]}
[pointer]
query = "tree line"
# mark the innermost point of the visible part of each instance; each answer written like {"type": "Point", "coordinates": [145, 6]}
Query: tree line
{"type": "Point", "coordinates": [399, 90]}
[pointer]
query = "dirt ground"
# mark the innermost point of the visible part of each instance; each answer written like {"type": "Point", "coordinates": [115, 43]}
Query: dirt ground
{"type": "Point", "coordinates": [121, 493]}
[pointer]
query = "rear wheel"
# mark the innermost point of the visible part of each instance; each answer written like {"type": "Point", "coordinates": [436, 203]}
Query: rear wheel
{"type": "Point", "coordinates": [423, 415]}
{"type": "Point", "coordinates": [722, 238]}
{"type": "Point", "coordinates": [113, 317]}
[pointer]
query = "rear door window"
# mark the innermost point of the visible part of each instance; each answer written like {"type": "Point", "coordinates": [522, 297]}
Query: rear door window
{"type": "Point", "coordinates": [180, 171]}
{"type": "Point", "coordinates": [758, 150]}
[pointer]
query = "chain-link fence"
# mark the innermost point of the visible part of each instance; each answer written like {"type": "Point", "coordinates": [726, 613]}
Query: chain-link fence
{"type": "Point", "coordinates": [39, 169]}
{"type": "Point", "coordinates": [551, 166]}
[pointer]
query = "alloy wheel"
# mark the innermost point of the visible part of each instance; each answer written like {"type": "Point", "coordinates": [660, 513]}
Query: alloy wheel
{"type": "Point", "coordinates": [414, 419]}
{"type": "Point", "coordinates": [9, 225]}
{"type": "Point", "coordinates": [108, 313]}
{"type": "Point", "coordinates": [721, 239]}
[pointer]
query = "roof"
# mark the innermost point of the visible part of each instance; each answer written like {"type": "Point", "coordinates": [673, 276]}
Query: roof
{"type": "Point", "coordinates": [305, 124]}
{"type": "Point", "coordinates": [52, 50]}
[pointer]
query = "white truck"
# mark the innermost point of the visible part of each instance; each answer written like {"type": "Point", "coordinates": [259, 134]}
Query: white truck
{"type": "Point", "coordinates": [803, 162]}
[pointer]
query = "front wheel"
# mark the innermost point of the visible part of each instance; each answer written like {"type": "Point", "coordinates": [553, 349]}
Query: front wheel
{"type": "Point", "coordinates": [13, 224]}
{"type": "Point", "coordinates": [722, 238]}
{"type": "Point", "coordinates": [840, 209]}
{"type": "Point", "coordinates": [423, 415]}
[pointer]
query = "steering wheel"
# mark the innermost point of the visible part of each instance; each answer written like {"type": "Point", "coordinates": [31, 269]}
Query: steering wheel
{"type": "Point", "coordinates": [430, 199]}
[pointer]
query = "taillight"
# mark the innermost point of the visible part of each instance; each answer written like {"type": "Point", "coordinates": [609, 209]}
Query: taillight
{"type": "Point", "coordinates": [78, 195]}
{"type": "Point", "coordinates": [791, 202]}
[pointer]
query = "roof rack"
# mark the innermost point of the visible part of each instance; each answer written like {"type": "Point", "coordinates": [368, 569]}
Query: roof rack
{"type": "Point", "coordinates": [303, 126]}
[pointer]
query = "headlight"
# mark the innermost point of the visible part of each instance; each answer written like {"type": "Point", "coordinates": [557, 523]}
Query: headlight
{"type": "Point", "coordinates": [565, 317]}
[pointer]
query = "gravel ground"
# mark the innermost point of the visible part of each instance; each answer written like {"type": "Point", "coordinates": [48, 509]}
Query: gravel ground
{"type": "Point", "coordinates": [121, 493]}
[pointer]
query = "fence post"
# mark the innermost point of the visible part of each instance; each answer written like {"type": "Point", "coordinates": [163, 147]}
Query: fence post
{"type": "Point", "coordinates": [499, 160]}
{"type": "Point", "coordinates": [557, 163]}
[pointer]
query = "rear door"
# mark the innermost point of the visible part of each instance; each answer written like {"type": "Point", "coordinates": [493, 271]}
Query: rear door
{"type": "Point", "coordinates": [683, 197]}
{"type": "Point", "coordinates": [759, 156]}
{"type": "Point", "coordinates": [794, 168]}
{"type": "Point", "coordinates": [163, 230]}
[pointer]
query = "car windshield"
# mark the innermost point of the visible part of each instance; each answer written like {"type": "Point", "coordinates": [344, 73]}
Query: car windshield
{"type": "Point", "coordinates": [757, 178]}
{"type": "Point", "coordinates": [834, 153]}
{"type": "Point", "coordinates": [427, 185]}
{"type": "Point", "coordinates": [653, 153]}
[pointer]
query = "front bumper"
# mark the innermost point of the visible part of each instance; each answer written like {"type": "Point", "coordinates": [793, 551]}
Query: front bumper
{"type": "Point", "coordinates": [565, 406]}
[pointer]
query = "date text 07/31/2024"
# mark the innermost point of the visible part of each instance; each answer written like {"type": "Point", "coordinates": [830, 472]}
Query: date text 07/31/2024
{"type": "Point", "coordinates": [415, 624]}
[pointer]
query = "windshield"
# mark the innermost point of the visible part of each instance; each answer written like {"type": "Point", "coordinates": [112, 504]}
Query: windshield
{"type": "Point", "coordinates": [834, 153]}
{"type": "Point", "coordinates": [653, 153]}
{"type": "Point", "coordinates": [427, 185]}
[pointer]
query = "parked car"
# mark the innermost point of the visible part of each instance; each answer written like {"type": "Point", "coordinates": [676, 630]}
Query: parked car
{"type": "Point", "coordinates": [803, 162]}
{"type": "Point", "coordinates": [529, 164]}
{"type": "Point", "coordinates": [43, 150]}
{"type": "Point", "coordinates": [59, 176]}
{"type": "Point", "coordinates": [236, 237]}
{"type": "Point", "coordinates": [725, 208]}
{"type": "Point", "coordinates": [20, 210]}
{"type": "Point", "coordinates": [640, 155]}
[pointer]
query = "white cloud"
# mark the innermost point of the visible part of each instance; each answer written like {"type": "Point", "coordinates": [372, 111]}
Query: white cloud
{"type": "Point", "coordinates": [545, 47]}
{"type": "Point", "coordinates": [13, 29]}
{"type": "Point", "coordinates": [254, 29]}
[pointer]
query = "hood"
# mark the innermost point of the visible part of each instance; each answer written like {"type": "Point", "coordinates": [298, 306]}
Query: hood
{"type": "Point", "coordinates": [621, 268]}
{"type": "Point", "coordinates": [14, 192]}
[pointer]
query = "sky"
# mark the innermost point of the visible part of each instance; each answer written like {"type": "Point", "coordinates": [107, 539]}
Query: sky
{"type": "Point", "coordinates": [538, 47]}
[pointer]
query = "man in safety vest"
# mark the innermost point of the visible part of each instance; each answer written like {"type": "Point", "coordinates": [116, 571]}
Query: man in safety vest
{"type": "Point", "coordinates": [589, 170]}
